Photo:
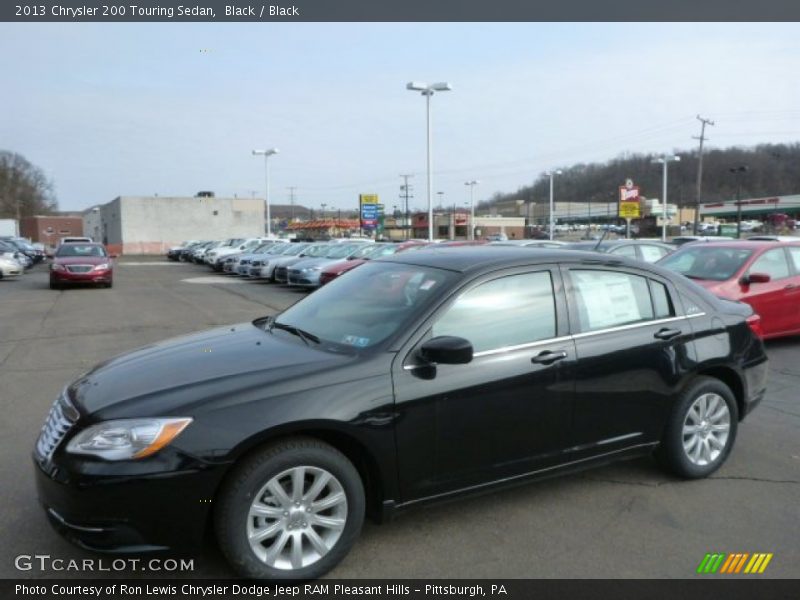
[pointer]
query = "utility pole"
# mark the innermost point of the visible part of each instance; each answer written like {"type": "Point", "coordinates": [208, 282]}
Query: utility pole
{"type": "Point", "coordinates": [702, 138]}
{"type": "Point", "coordinates": [291, 189]}
{"type": "Point", "coordinates": [405, 194]}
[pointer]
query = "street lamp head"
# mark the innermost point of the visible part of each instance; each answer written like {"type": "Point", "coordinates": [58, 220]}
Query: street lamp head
{"type": "Point", "coordinates": [269, 152]}
{"type": "Point", "coordinates": [442, 86]}
{"type": "Point", "coordinates": [416, 86]}
{"type": "Point", "coordinates": [473, 182]}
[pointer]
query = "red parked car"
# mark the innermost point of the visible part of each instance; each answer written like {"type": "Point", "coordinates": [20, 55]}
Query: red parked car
{"type": "Point", "coordinates": [81, 263]}
{"type": "Point", "coordinates": [373, 251]}
{"type": "Point", "coordinates": [765, 275]}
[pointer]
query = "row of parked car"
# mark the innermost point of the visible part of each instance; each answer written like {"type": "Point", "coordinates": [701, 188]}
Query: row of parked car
{"type": "Point", "coordinates": [763, 272]}
{"type": "Point", "coordinates": [18, 254]}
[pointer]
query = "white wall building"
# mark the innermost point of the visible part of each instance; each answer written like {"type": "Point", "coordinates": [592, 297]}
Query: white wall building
{"type": "Point", "coordinates": [151, 224]}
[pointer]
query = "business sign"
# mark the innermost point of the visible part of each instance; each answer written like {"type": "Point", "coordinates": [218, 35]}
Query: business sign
{"type": "Point", "coordinates": [629, 210]}
{"type": "Point", "coordinates": [629, 200]}
{"type": "Point", "coordinates": [370, 210]}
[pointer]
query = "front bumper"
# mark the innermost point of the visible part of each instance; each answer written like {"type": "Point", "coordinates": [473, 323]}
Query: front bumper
{"type": "Point", "coordinates": [127, 513]}
{"type": "Point", "coordinates": [309, 279]}
{"type": "Point", "coordinates": [104, 276]}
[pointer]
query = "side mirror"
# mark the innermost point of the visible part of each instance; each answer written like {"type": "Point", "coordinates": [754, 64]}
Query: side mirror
{"type": "Point", "coordinates": [447, 350]}
{"type": "Point", "coordinates": [755, 278]}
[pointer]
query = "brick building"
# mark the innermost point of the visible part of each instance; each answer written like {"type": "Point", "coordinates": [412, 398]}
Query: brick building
{"type": "Point", "coordinates": [48, 229]}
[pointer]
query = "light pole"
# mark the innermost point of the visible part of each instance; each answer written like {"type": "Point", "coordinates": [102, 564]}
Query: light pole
{"type": "Point", "coordinates": [738, 172]}
{"type": "Point", "coordinates": [664, 160]}
{"type": "Point", "coordinates": [428, 91]}
{"type": "Point", "coordinates": [266, 154]}
{"type": "Point", "coordinates": [552, 174]}
{"type": "Point", "coordinates": [322, 212]}
{"type": "Point", "coordinates": [472, 185]}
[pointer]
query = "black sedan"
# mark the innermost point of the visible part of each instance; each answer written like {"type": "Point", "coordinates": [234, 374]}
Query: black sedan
{"type": "Point", "coordinates": [410, 379]}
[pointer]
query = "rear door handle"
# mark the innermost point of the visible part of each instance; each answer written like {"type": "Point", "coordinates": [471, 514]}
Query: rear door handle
{"type": "Point", "coordinates": [667, 334]}
{"type": "Point", "coordinates": [548, 357]}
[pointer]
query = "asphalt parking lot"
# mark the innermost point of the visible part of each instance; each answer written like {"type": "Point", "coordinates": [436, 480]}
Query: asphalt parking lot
{"type": "Point", "coordinates": [628, 520]}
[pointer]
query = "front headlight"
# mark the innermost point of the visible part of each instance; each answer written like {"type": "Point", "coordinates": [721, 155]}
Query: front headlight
{"type": "Point", "coordinates": [101, 267]}
{"type": "Point", "coordinates": [57, 267]}
{"type": "Point", "coordinates": [127, 439]}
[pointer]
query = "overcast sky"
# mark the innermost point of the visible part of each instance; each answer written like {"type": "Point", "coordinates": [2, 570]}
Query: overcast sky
{"type": "Point", "coordinates": [138, 109]}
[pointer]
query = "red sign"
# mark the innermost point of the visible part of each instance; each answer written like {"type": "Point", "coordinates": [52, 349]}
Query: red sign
{"type": "Point", "coordinates": [629, 194]}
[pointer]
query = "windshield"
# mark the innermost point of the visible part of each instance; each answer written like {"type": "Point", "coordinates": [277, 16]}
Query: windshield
{"type": "Point", "coordinates": [321, 250]}
{"type": "Point", "coordinates": [294, 249]}
{"type": "Point", "coordinates": [382, 250]}
{"type": "Point", "coordinates": [80, 250]}
{"type": "Point", "coordinates": [707, 262]}
{"type": "Point", "coordinates": [341, 250]}
{"type": "Point", "coordinates": [369, 306]}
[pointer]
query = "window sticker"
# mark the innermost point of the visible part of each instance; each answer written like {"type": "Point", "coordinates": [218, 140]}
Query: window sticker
{"type": "Point", "coordinates": [609, 298]}
{"type": "Point", "coordinates": [354, 340]}
{"type": "Point", "coordinates": [426, 285]}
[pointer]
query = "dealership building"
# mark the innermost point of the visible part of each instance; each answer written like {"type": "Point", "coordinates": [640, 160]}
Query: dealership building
{"type": "Point", "coordinates": [152, 224]}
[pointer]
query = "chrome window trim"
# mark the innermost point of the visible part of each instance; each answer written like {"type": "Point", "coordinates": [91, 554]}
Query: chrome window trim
{"type": "Point", "coordinates": [556, 340]}
{"type": "Point", "coordinates": [575, 336]}
{"type": "Point", "coordinates": [635, 325]}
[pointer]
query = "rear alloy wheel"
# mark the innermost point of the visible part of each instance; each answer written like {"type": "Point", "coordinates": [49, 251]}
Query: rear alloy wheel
{"type": "Point", "coordinates": [290, 512]}
{"type": "Point", "coordinates": [701, 430]}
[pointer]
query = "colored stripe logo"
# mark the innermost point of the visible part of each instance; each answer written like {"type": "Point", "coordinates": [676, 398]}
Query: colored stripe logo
{"type": "Point", "coordinates": [735, 563]}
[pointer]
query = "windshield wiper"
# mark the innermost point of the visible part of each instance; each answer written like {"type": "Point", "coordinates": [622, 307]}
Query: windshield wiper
{"type": "Point", "coordinates": [303, 335]}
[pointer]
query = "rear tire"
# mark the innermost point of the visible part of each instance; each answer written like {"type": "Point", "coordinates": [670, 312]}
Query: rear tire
{"type": "Point", "coordinates": [291, 511]}
{"type": "Point", "coordinates": [701, 430]}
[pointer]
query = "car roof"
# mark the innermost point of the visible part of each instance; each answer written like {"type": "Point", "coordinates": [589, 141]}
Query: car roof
{"type": "Point", "coordinates": [467, 259]}
{"type": "Point", "coordinates": [590, 245]}
{"type": "Point", "coordinates": [745, 244]}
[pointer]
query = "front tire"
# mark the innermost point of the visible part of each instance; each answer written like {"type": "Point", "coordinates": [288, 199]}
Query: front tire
{"type": "Point", "coordinates": [291, 511]}
{"type": "Point", "coordinates": [701, 430]}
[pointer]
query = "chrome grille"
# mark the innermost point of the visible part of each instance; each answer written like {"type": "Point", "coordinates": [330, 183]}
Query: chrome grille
{"type": "Point", "coordinates": [59, 421]}
{"type": "Point", "coordinates": [79, 268]}
{"type": "Point", "coordinates": [256, 263]}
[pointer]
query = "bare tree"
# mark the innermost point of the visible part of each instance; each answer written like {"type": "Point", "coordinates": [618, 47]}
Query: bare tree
{"type": "Point", "coordinates": [24, 188]}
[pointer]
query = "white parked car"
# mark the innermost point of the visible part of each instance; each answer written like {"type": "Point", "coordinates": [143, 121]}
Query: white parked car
{"type": "Point", "coordinates": [10, 267]}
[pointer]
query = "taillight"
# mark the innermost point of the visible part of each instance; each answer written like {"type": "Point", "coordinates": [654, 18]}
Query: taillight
{"type": "Point", "coordinates": [754, 323]}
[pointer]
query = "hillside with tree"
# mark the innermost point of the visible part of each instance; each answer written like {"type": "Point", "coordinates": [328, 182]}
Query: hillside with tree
{"type": "Point", "coordinates": [772, 171]}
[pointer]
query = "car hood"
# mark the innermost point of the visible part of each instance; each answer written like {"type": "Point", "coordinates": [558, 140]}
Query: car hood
{"type": "Point", "coordinates": [180, 374]}
{"type": "Point", "coordinates": [310, 262]}
{"type": "Point", "coordinates": [344, 266]}
{"type": "Point", "coordinates": [81, 260]}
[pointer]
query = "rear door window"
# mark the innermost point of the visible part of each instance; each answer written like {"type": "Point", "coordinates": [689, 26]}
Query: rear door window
{"type": "Point", "coordinates": [607, 299]}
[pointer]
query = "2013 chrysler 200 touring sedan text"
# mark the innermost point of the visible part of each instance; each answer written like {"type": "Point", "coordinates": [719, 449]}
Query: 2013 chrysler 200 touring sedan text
{"type": "Point", "coordinates": [411, 378]}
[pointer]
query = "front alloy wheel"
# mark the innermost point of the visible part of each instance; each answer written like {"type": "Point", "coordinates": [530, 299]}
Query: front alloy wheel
{"type": "Point", "coordinates": [297, 517]}
{"type": "Point", "coordinates": [291, 510]}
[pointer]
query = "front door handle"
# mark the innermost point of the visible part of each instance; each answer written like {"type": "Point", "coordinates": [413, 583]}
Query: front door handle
{"type": "Point", "coordinates": [790, 286]}
{"type": "Point", "coordinates": [667, 334]}
{"type": "Point", "coordinates": [548, 357]}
